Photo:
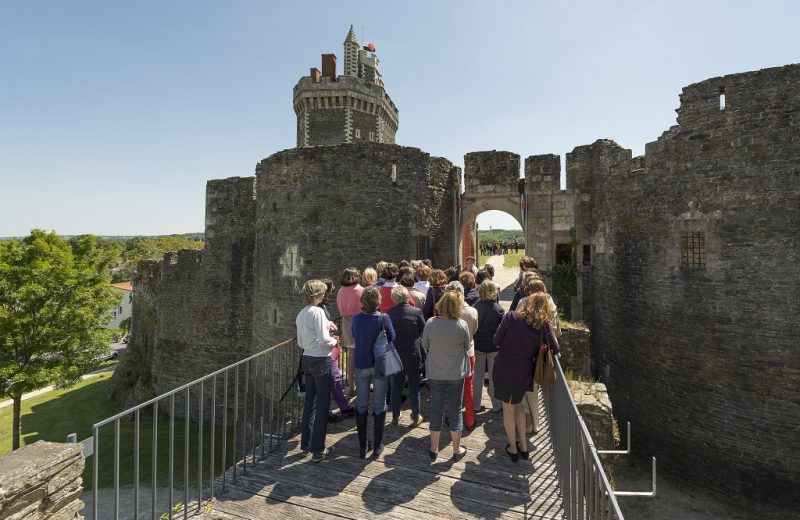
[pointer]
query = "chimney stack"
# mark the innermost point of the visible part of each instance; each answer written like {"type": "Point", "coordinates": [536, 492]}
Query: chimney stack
{"type": "Point", "coordinates": [314, 75]}
{"type": "Point", "coordinates": [329, 66]}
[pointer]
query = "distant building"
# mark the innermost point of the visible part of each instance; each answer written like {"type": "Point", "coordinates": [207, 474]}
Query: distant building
{"type": "Point", "coordinates": [347, 108]}
{"type": "Point", "coordinates": [123, 309]}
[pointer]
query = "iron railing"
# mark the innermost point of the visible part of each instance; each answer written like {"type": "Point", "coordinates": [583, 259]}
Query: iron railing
{"type": "Point", "coordinates": [584, 487]}
{"type": "Point", "coordinates": [229, 418]}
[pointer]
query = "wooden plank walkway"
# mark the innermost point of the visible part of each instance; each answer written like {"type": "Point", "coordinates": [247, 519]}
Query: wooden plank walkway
{"type": "Point", "coordinates": [402, 484]}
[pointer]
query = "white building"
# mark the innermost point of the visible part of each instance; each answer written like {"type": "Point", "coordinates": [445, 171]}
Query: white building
{"type": "Point", "coordinates": [123, 309]}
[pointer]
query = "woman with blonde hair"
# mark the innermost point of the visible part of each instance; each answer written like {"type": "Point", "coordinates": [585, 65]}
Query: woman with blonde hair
{"type": "Point", "coordinates": [369, 277]}
{"type": "Point", "coordinates": [446, 339]}
{"type": "Point", "coordinates": [518, 339]}
{"type": "Point", "coordinates": [313, 336]}
{"type": "Point", "coordinates": [490, 313]}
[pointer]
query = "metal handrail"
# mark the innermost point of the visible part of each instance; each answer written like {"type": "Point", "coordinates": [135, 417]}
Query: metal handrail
{"type": "Point", "coordinates": [583, 484]}
{"type": "Point", "coordinates": [258, 419]}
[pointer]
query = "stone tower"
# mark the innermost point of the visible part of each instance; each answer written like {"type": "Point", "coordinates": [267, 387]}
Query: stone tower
{"type": "Point", "coordinates": [348, 108]}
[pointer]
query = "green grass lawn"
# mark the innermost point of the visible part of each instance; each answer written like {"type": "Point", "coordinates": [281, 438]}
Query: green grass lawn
{"type": "Point", "coordinates": [509, 260]}
{"type": "Point", "coordinates": [53, 415]}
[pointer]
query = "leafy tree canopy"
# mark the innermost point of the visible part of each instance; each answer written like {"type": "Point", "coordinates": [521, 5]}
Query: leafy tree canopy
{"type": "Point", "coordinates": [55, 298]}
{"type": "Point", "coordinates": [501, 235]}
{"type": "Point", "coordinates": [151, 248]}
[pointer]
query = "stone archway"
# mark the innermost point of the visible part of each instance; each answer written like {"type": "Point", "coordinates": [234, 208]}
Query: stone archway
{"type": "Point", "coordinates": [491, 181]}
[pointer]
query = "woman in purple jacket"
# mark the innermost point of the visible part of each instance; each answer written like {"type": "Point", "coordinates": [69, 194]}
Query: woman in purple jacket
{"type": "Point", "coordinates": [518, 339]}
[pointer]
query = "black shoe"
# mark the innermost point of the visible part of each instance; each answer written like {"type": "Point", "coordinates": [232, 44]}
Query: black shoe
{"type": "Point", "coordinates": [348, 413]}
{"type": "Point", "coordinates": [459, 456]}
{"type": "Point", "coordinates": [432, 454]}
{"type": "Point", "coordinates": [319, 457]}
{"type": "Point", "coordinates": [522, 454]}
{"type": "Point", "coordinates": [514, 456]}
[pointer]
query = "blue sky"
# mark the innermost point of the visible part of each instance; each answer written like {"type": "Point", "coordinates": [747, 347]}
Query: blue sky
{"type": "Point", "coordinates": [114, 115]}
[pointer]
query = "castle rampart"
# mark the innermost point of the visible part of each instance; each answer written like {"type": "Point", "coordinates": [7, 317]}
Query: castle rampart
{"type": "Point", "coordinates": [687, 257]}
{"type": "Point", "coordinates": [692, 295]}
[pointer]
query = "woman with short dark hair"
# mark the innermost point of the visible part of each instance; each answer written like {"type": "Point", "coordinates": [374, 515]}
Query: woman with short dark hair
{"type": "Point", "coordinates": [367, 325]}
{"type": "Point", "coordinates": [437, 281]}
{"type": "Point", "coordinates": [348, 301]}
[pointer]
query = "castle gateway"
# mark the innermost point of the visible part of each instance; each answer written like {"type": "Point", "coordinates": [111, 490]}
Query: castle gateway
{"type": "Point", "coordinates": [688, 256]}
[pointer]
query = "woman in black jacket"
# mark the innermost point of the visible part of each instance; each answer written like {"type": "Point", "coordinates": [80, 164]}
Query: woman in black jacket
{"type": "Point", "coordinates": [408, 324]}
{"type": "Point", "coordinates": [490, 314]}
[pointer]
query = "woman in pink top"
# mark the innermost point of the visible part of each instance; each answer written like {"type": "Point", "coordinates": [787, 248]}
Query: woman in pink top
{"type": "Point", "coordinates": [348, 301]}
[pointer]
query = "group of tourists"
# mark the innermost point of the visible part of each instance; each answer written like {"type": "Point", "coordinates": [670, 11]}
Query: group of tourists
{"type": "Point", "coordinates": [447, 329]}
{"type": "Point", "coordinates": [499, 248]}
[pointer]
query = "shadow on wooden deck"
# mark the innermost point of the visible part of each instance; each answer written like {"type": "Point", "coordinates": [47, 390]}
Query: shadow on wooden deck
{"type": "Point", "coordinates": [403, 483]}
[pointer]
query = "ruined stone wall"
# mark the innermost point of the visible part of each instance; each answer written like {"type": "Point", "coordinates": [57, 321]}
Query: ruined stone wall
{"type": "Point", "coordinates": [322, 209]}
{"type": "Point", "coordinates": [193, 310]}
{"type": "Point", "coordinates": [703, 359]}
{"type": "Point", "coordinates": [206, 296]}
{"type": "Point", "coordinates": [41, 481]}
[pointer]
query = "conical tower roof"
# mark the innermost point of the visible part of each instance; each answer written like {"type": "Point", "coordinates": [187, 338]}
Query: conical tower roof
{"type": "Point", "coordinates": [351, 36]}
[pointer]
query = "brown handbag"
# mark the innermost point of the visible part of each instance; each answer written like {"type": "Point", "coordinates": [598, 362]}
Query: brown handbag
{"type": "Point", "coordinates": [545, 372]}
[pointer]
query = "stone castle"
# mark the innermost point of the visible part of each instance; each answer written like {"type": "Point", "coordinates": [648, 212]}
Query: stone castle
{"type": "Point", "coordinates": [688, 256]}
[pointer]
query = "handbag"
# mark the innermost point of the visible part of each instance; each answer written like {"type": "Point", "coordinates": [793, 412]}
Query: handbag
{"type": "Point", "coordinates": [387, 360]}
{"type": "Point", "coordinates": [545, 372]}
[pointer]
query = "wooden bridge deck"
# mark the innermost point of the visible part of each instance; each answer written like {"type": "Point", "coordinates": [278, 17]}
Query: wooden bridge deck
{"type": "Point", "coordinates": [403, 484]}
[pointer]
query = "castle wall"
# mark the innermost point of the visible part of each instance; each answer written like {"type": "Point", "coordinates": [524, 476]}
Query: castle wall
{"type": "Point", "coordinates": [197, 306]}
{"type": "Point", "coordinates": [703, 360]}
{"type": "Point", "coordinates": [323, 209]}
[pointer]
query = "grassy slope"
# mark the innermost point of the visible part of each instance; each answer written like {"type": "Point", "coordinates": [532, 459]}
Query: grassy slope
{"type": "Point", "coordinates": [53, 415]}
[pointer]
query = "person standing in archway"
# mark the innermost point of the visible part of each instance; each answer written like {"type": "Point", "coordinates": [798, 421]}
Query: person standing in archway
{"type": "Point", "coordinates": [469, 265]}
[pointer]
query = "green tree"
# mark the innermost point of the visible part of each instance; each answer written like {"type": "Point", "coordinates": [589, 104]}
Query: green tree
{"type": "Point", "coordinates": [55, 300]}
{"type": "Point", "coordinates": [150, 248]}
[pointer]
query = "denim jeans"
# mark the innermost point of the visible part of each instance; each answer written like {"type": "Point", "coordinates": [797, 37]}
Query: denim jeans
{"type": "Point", "coordinates": [454, 390]}
{"type": "Point", "coordinates": [317, 374]}
{"type": "Point", "coordinates": [413, 393]}
{"type": "Point", "coordinates": [363, 378]}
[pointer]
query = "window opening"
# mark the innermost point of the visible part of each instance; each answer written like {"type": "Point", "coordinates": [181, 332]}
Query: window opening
{"type": "Point", "coordinates": [693, 249]}
{"type": "Point", "coordinates": [587, 254]}
{"type": "Point", "coordinates": [563, 254]}
{"type": "Point", "coordinates": [421, 248]}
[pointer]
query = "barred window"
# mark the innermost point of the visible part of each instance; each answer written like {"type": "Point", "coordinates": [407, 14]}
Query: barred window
{"type": "Point", "coordinates": [693, 249]}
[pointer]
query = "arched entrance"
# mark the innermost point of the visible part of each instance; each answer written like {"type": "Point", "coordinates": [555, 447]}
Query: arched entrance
{"type": "Point", "coordinates": [492, 182]}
